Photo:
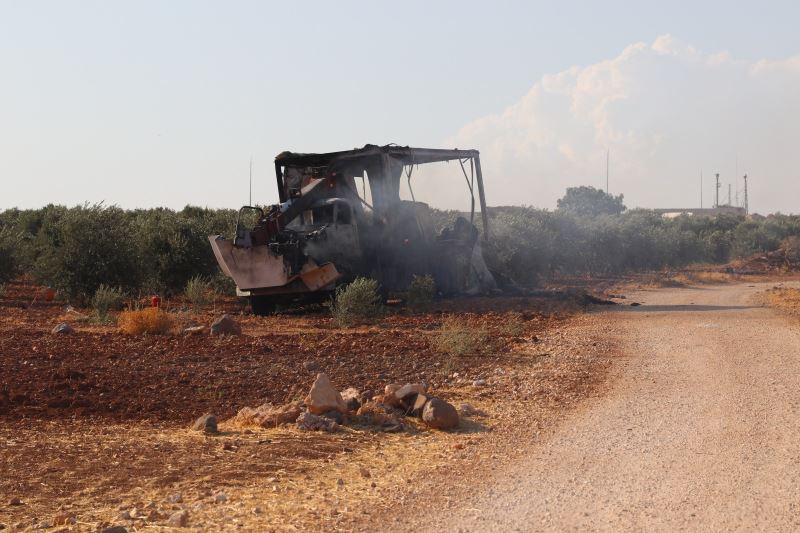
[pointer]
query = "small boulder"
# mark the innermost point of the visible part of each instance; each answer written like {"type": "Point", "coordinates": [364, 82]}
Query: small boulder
{"type": "Point", "coordinates": [323, 397]}
{"type": "Point", "coordinates": [179, 519]}
{"type": "Point", "coordinates": [206, 423]}
{"type": "Point", "coordinates": [479, 383]}
{"type": "Point", "coordinates": [408, 389]}
{"type": "Point", "coordinates": [62, 329]}
{"type": "Point", "coordinates": [414, 404]}
{"type": "Point", "coordinates": [439, 414]}
{"type": "Point", "coordinates": [376, 414]}
{"type": "Point", "coordinates": [312, 422]}
{"type": "Point", "coordinates": [336, 416]}
{"type": "Point", "coordinates": [268, 415]}
{"type": "Point", "coordinates": [225, 325]}
{"type": "Point", "coordinates": [352, 398]}
{"type": "Point", "coordinates": [388, 396]}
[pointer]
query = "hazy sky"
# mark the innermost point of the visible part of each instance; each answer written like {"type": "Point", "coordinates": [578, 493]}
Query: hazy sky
{"type": "Point", "coordinates": [163, 103]}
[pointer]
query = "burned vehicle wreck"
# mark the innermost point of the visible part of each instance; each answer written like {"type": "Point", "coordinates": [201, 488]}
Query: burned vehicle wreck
{"type": "Point", "coordinates": [327, 230]}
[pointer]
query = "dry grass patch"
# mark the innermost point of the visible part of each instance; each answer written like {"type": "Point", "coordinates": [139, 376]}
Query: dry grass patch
{"type": "Point", "coordinates": [709, 278]}
{"type": "Point", "coordinates": [788, 299]}
{"type": "Point", "coordinates": [459, 336]}
{"type": "Point", "coordinates": [151, 320]}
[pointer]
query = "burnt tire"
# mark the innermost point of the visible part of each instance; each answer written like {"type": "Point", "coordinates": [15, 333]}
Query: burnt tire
{"type": "Point", "coordinates": [262, 305]}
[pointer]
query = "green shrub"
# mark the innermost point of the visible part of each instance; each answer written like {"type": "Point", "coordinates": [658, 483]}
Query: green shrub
{"type": "Point", "coordinates": [458, 337]}
{"type": "Point", "coordinates": [358, 302]}
{"type": "Point", "coordinates": [85, 247]}
{"type": "Point", "coordinates": [8, 260]}
{"type": "Point", "coordinates": [198, 292]}
{"type": "Point", "coordinates": [421, 292]}
{"type": "Point", "coordinates": [106, 299]}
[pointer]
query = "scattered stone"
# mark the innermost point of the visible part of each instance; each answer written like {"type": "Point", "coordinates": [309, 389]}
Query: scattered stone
{"type": "Point", "coordinates": [225, 325]}
{"type": "Point", "coordinates": [414, 404]}
{"type": "Point", "coordinates": [175, 498]}
{"type": "Point", "coordinates": [267, 415]}
{"type": "Point", "coordinates": [179, 519]}
{"type": "Point", "coordinates": [62, 328]}
{"type": "Point", "coordinates": [352, 398]}
{"type": "Point", "coordinates": [323, 397]}
{"type": "Point", "coordinates": [195, 330]}
{"type": "Point", "coordinates": [409, 389]}
{"type": "Point", "coordinates": [114, 529]}
{"type": "Point", "coordinates": [206, 423]}
{"type": "Point", "coordinates": [125, 515]}
{"type": "Point", "coordinates": [466, 409]}
{"type": "Point", "coordinates": [220, 498]}
{"type": "Point", "coordinates": [336, 416]}
{"type": "Point", "coordinates": [154, 516]}
{"type": "Point", "coordinates": [635, 304]}
{"type": "Point", "coordinates": [311, 422]}
{"type": "Point", "coordinates": [14, 501]}
{"type": "Point", "coordinates": [311, 365]}
{"type": "Point", "coordinates": [340, 482]}
{"type": "Point", "coordinates": [393, 428]}
{"type": "Point", "coordinates": [479, 383]}
{"type": "Point", "coordinates": [63, 519]}
{"type": "Point", "coordinates": [258, 510]}
{"type": "Point", "coordinates": [377, 414]}
{"type": "Point", "coordinates": [439, 414]}
{"type": "Point", "coordinates": [388, 395]}
{"type": "Point", "coordinates": [364, 473]}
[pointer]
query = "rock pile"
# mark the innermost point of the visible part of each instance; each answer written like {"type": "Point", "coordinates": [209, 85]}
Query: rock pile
{"type": "Point", "coordinates": [326, 409]}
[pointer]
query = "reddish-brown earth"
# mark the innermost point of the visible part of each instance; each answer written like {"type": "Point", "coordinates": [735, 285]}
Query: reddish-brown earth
{"type": "Point", "coordinates": [95, 422]}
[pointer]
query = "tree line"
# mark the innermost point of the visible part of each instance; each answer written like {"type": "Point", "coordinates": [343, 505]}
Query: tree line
{"type": "Point", "coordinates": [77, 249]}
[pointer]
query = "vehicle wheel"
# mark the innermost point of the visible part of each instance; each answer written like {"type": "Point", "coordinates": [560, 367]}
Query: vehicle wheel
{"type": "Point", "coordinates": [262, 305]}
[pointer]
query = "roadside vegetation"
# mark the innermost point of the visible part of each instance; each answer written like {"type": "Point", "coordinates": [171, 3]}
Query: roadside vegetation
{"type": "Point", "coordinates": [784, 298]}
{"type": "Point", "coordinates": [359, 302]}
{"type": "Point", "coordinates": [147, 251]}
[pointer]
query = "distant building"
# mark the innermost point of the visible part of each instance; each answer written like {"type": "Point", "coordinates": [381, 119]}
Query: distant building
{"type": "Point", "coordinates": [702, 211]}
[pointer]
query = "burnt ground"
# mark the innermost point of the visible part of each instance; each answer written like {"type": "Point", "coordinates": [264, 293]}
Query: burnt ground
{"type": "Point", "coordinates": [95, 421]}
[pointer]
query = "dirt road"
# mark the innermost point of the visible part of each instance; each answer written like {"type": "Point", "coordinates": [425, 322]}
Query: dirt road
{"type": "Point", "coordinates": [699, 431]}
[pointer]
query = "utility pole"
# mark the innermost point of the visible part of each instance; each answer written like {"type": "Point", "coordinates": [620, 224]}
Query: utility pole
{"type": "Point", "coordinates": [250, 201]}
{"type": "Point", "coordinates": [716, 192]}
{"type": "Point", "coordinates": [746, 204]}
{"type": "Point", "coordinates": [701, 188]}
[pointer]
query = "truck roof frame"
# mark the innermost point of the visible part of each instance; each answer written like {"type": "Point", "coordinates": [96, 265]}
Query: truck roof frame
{"type": "Point", "coordinates": [371, 153]}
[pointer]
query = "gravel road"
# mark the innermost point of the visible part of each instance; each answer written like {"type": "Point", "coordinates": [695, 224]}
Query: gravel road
{"type": "Point", "coordinates": [699, 430]}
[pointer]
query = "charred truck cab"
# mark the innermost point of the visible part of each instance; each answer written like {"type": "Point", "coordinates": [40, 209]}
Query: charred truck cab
{"type": "Point", "coordinates": [323, 233]}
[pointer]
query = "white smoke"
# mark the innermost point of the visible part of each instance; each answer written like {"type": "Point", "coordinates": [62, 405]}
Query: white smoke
{"type": "Point", "coordinates": [665, 112]}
